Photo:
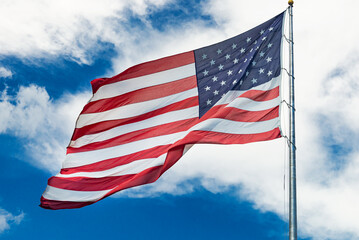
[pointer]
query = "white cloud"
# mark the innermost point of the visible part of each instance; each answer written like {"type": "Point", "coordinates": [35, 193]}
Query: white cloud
{"type": "Point", "coordinates": [42, 28]}
{"type": "Point", "coordinates": [5, 73]}
{"type": "Point", "coordinates": [7, 218]}
{"type": "Point", "coordinates": [46, 125]}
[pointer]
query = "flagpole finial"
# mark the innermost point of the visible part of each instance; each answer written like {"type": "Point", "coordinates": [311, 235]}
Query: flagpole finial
{"type": "Point", "coordinates": [290, 2]}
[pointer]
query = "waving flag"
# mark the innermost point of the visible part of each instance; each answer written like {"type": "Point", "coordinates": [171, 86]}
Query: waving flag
{"type": "Point", "coordinates": [139, 123]}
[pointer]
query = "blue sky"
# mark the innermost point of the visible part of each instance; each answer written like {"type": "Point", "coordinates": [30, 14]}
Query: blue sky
{"type": "Point", "coordinates": [49, 53]}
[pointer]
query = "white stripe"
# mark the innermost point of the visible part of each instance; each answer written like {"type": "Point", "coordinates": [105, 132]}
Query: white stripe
{"type": "Point", "coordinates": [251, 105]}
{"type": "Point", "coordinates": [233, 127]}
{"type": "Point", "coordinates": [130, 168]}
{"type": "Point", "coordinates": [231, 95]}
{"type": "Point", "coordinates": [125, 86]}
{"type": "Point", "coordinates": [135, 109]}
{"type": "Point", "coordinates": [84, 158]}
{"type": "Point", "coordinates": [147, 123]}
{"type": "Point", "coordinates": [58, 194]}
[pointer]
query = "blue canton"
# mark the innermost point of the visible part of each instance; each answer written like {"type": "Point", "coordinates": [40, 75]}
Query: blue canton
{"type": "Point", "coordinates": [239, 63]}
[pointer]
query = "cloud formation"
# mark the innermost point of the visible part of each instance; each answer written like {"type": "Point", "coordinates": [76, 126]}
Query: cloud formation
{"type": "Point", "coordinates": [75, 29]}
{"type": "Point", "coordinates": [45, 124]}
{"type": "Point", "coordinates": [5, 73]}
{"type": "Point", "coordinates": [7, 219]}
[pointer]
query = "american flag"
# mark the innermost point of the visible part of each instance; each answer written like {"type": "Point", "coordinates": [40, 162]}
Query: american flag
{"type": "Point", "coordinates": [139, 123]}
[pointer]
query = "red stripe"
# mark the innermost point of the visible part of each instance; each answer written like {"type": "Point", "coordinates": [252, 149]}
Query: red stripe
{"type": "Point", "coordinates": [141, 95]}
{"type": "Point", "coordinates": [114, 162]}
{"type": "Point", "coordinates": [88, 184]}
{"type": "Point", "coordinates": [239, 115]}
{"type": "Point", "coordinates": [173, 155]}
{"type": "Point", "coordinates": [227, 138]}
{"type": "Point", "coordinates": [56, 205]}
{"type": "Point", "coordinates": [148, 176]}
{"type": "Point", "coordinates": [155, 131]}
{"type": "Point", "coordinates": [260, 96]}
{"type": "Point", "coordinates": [146, 68]}
{"type": "Point", "coordinates": [105, 125]}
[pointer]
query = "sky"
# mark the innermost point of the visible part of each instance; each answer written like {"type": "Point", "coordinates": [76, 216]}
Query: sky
{"type": "Point", "coordinates": [51, 50]}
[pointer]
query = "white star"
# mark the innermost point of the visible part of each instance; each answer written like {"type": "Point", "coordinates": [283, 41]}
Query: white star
{"type": "Point", "coordinates": [245, 60]}
{"type": "Point", "coordinates": [229, 72]}
{"type": "Point", "coordinates": [261, 70]}
{"type": "Point", "coordinates": [257, 47]}
{"type": "Point", "coordinates": [254, 63]}
{"type": "Point", "coordinates": [261, 54]}
{"type": "Point", "coordinates": [262, 31]}
{"type": "Point", "coordinates": [209, 102]}
{"type": "Point", "coordinates": [207, 88]}
{"type": "Point", "coordinates": [269, 73]}
{"type": "Point", "coordinates": [223, 95]}
{"type": "Point", "coordinates": [254, 80]}
{"type": "Point", "coordinates": [204, 56]}
{"type": "Point", "coordinates": [255, 42]}
{"type": "Point", "coordinates": [269, 45]}
{"type": "Point", "coordinates": [248, 39]}
{"type": "Point", "coordinates": [235, 61]}
{"type": "Point", "coordinates": [242, 50]}
{"type": "Point", "coordinates": [234, 46]}
{"type": "Point", "coordinates": [264, 38]}
{"type": "Point", "coordinates": [215, 92]}
{"type": "Point", "coordinates": [219, 51]}
{"type": "Point", "coordinates": [220, 67]}
{"type": "Point", "coordinates": [223, 82]}
{"type": "Point", "coordinates": [205, 73]}
{"type": "Point", "coordinates": [240, 83]}
{"type": "Point", "coordinates": [228, 56]}
{"type": "Point", "coordinates": [235, 81]}
{"type": "Point", "coordinates": [247, 73]}
{"type": "Point", "coordinates": [268, 59]}
{"type": "Point", "coordinates": [251, 50]}
{"type": "Point", "coordinates": [213, 62]}
{"type": "Point", "coordinates": [214, 78]}
{"type": "Point", "coordinates": [240, 70]}
{"type": "Point", "coordinates": [270, 29]}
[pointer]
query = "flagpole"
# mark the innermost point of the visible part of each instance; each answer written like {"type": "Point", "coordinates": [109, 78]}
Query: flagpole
{"type": "Point", "coordinates": [292, 147]}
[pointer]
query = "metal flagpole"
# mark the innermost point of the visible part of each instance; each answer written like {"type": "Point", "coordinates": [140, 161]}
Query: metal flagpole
{"type": "Point", "coordinates": [292, 147]}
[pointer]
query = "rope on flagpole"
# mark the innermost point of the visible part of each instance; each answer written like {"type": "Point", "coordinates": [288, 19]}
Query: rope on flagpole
{"type": "Point", "coordinates": [288, 105]}
{"type": "Point", "coordinates": [289, 142]}
{"type": "Point", "coordinates": [290, 75]}
{"type": "Point", "coordinates": [288, 40]}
